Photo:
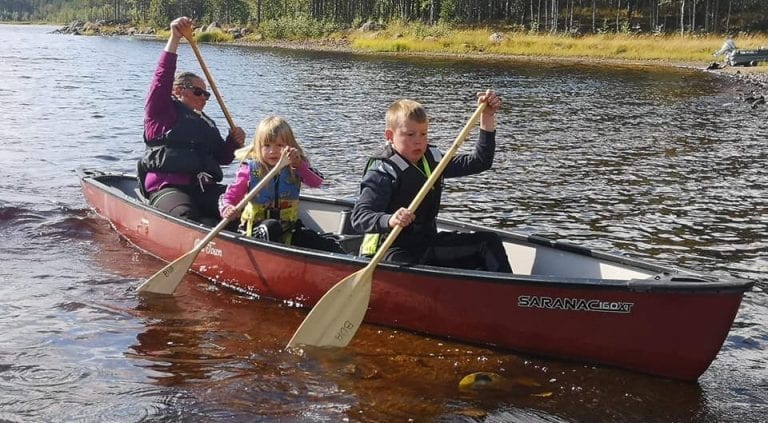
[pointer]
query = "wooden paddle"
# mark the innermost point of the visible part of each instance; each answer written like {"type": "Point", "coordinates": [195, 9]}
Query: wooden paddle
{"type": "Point", "coordinates": [168, 278]}
{"type": "Point", "coordinates": [336, 317]}
{"type": "Point", "coordinates": [187, 33]}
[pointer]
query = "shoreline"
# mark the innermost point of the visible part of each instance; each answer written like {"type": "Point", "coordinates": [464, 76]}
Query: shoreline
{"type": "Point", "coordinates": [755, 75]}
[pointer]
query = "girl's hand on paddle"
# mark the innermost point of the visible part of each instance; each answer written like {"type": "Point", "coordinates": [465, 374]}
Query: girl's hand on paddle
{"type": "Point", "coordinates": [492, 105]}
{"type": "Point", "coordinates": [402, 217]}
{"type": "Point", "coordinates": [228, 211]}
{"type": "Point", "coordinates": [294, 157]}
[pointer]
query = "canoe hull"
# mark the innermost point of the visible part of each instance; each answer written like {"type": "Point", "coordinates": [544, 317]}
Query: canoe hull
{"type": "Point", "coordinates": [661, 327]}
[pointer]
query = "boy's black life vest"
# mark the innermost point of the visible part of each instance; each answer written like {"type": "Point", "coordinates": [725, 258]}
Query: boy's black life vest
{"type": "Point", "coordinates": [407, 182]}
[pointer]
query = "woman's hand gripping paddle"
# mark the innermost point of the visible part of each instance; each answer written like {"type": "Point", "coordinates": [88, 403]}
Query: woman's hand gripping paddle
{"type": "Point", "coordinates": [336, 317]}
{"type": "Point", "coordinates": [168, 278]}
{"type": "Point", "coordinates": [187, 33]}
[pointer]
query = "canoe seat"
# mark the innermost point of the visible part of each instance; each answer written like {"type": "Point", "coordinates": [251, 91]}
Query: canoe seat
{"type": "Point", "coordinates": [139, 196]}
{"type": "Point", "coordinates": [349, 239]}
{"type": "Point", "coordinates": [350, 243]}
{"type": "Point", "coordinates": [345, 223]}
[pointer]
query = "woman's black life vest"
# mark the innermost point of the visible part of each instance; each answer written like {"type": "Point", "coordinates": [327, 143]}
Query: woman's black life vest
{"type": "Point", "coordinates": [190, 146]}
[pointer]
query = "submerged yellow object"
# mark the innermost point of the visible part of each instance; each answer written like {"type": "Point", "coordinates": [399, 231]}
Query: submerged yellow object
{"type": "Point", "coordinates": [493, 382]}
{"type": "Point", "coordinates": [479, 379]}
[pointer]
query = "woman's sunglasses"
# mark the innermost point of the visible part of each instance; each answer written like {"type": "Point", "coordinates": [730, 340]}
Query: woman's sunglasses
{"type": "Point", "coordinates": [198, 91]}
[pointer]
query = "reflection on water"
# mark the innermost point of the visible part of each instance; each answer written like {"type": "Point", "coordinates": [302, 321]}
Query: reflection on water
{"type": "Point", "coordinates": [655, 163]}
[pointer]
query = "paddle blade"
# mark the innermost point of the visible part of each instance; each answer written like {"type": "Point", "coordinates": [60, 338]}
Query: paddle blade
{"type": "Point", "coordinates": [337, 316]}
{"type": "Point", "coordinates": [168, 278]}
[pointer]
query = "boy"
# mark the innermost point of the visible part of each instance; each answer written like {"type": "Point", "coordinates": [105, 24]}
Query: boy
{"type": "Point", "coordinates": [394, 177]}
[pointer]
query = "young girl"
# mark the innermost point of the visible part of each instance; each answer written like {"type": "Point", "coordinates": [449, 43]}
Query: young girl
{"type": "Point", "coordinates": [274, 211]}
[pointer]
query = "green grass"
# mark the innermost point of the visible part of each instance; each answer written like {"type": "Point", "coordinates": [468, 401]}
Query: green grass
{"type": "Point", "coordinates": [214, 37]}
{"type": "Point", "coordinates": [202, 37]}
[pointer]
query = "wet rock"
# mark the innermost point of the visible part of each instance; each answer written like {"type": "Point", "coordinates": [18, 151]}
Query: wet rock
{"type": "Point", "coordinates": [496, 38]}
{"type": "Point", "coordinates": [213, 27]}
{"type": "Point", "coordinates": [91, 26]}
{"type": "Point", "coordinates": [361, 372]}
{"type": "Point", "coordinates": [235, 32]}
{"type": "Point", "coordinates": [758, 101]}
{"type": "Point", "coordinates": [368, 26]}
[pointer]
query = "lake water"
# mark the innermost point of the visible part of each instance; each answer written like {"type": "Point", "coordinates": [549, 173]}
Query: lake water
{"type": "Point", "coordinates": [660, 164]}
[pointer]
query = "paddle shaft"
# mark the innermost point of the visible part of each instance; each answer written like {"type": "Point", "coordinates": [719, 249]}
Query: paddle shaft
{"type": "Point", "coordinates": [191, 39]}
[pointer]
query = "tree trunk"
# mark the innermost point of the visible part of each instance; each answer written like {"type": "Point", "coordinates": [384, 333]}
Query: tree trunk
{"type": "Point", "coordinates": [693, 16]}
{"type": "Point", "coordinates": [682, 17]}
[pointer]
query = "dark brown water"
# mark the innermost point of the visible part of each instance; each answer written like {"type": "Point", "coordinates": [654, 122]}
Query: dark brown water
{"type": "Point", "coordinates": [660, 164]}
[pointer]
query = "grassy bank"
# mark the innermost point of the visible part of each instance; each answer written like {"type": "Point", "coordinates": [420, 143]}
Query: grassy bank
{"type": "Point", "coordinates": [672, 48]}
{"type": "Point", "coordinates": [444, 39]}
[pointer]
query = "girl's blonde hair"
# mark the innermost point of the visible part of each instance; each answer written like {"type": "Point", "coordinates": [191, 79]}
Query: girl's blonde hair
{"type": "Point", "coordinates": [271, 129]}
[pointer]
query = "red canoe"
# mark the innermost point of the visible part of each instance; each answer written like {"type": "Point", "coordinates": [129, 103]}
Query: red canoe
{"type": "Point", "coordinates": [563, 301]}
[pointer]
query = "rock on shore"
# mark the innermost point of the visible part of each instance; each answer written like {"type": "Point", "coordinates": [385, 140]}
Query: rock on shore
{"type": "Point", "coordinates": [752, 82]}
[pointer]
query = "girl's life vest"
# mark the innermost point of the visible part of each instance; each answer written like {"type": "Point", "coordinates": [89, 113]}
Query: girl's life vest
{"type": "Point", "coordinates": [279, 200]}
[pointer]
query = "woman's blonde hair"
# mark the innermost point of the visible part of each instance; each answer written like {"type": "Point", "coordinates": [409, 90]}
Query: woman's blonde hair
{"type": "Point", "coordinates": [271, 129]}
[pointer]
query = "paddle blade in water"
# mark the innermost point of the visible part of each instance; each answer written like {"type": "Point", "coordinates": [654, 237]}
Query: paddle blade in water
{"type": "Point", "coordinates": [168, 278]}
{"type": "Point", "coordinates": [337, 316]}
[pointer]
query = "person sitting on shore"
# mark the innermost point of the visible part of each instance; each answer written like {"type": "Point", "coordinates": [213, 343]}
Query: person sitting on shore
{"type": "Point", "coordinates": [181, 166]}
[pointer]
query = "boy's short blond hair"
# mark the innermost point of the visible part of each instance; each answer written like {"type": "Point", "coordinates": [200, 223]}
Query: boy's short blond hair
{"type": "Point", "coordinates": [402, 110]}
